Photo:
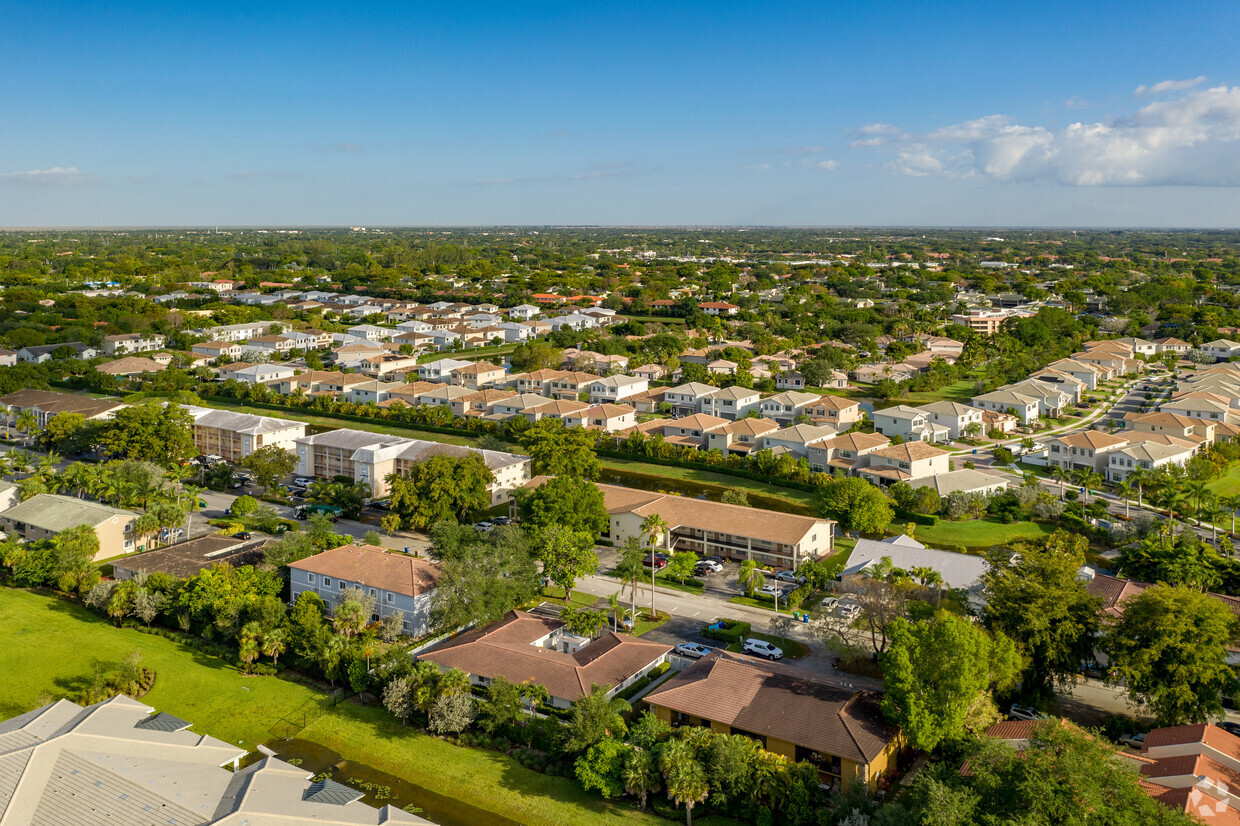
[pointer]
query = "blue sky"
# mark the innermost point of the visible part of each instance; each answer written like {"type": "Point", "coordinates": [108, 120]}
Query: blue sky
{"type": "Point", "coordinates": [828, 113]}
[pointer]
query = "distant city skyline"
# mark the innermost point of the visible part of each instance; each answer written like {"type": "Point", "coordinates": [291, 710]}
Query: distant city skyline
{"type": "Point", "coordinates": [641, 114]}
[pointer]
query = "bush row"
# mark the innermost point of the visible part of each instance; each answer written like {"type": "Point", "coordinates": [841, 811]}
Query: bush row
{"type": "Point", "coordinates": [732, 631]}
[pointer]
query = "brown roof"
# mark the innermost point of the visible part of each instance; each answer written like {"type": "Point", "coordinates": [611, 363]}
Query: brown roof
{"type": "Point", "coordinates": [749, 426]}
{"type": "Point", "coordinates": [1192, 764]}
{"type": "Point", "coordinates": [779, 701]}
{"type": "Point", "coordinates": [1212, 736]}
{"type": "Point", "coordinates": [698, 421]}
{"type": "Point", "coordinates": [1093, 439]}
{"type": "Point", "coordinates": [185, 559]}
{"type": "Point", "coordinates": [506, 649]}
{"type": "Point", "coordinates": [49, 401]}
{"type": "Point", "coordinates": [836, 402]}
{"type": "Point", "coordinates": [558, 407]}
{"type": "Point", "coordinates": [373, 566]}
{"type": "Point", "coordinates": [476, 368]}
{"type": "Point", "coordinates": [128, 365]}
{"type": "Point", "coordinates": [854, 441]}
{"type": "Point", "coordinates": [1012, 729]}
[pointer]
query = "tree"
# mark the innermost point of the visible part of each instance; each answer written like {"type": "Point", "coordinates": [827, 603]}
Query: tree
{"type": "Point", "coordinates": [151, 432]}
{"type": "Point", "coordinates": [681, 565]}
{"type": "Point", "coordinates": [856, 505]}
{"type": "Point", "coordinates": [503, 705]}
{"type": "Point", "coordinates": [70, 433]}
{"type": "Point", "coordinates": [557, 450]}
{"type": "Point", "coordinates": [602, 766]}
{"type": "Point", "coordinates": [275, 643]}
{"type": "Point", "coordinates": [1170, 646]}
{"type": "Point", "coordinates": [398, 699]}
{"type": "Point", "coordinates": [353, 612]}
{"type": "Point", "coordinates": [640, 774]}
{"type": "Point", "coordinates": [1034, 596]}
{"type": "Point", "coordinates": [452, 713]}
{"type": "Point", "coordinates": [536, 355]}
{"type": "Point", "coordinates": [390, 523]}
{"type": "Point", "coordinates": [270, 464]}
{"type": "Point", "coordinates": [750, 577]}
{"type": "Point", "coordinates": [482, 578]}
{"type": "Point", "coordinates": [566, 555]}
{"type": "Point", "coordinates": [244, 505]}
{"type": "Point", "coordinates": [594, 718]}
{"type": "Point", "coordinates": [392, 626]}
{"type": "Point", "coordinates": [684, 776]}
{"type": "Point", "coordinates": [629, 568]}
{"type": "Point", "coordinates": [936, 670]}
{"type": "Point", "coordinates": [567, 502]}
{"type": "Point", "coordinates": [73, 555]}
{"type": "Point", "coordinates": [439, 488]}
{"type": "Point", "coordinates": [734, 496]}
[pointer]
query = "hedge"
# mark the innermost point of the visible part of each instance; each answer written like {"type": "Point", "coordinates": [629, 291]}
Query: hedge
{"type": "Point", "coordinates": [916, 518]}
{"type": "Point", "coordinates": [733, 630]}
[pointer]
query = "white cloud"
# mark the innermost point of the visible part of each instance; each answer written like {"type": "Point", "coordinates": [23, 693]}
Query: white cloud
{"type": "Point", "coordinates": [1166, 86]}
{"type": "Point", "coordinates": [830, 166]}
{"type": "Point", "coordinates": [56, 177]}
{"type": "Point", "coordinates": [1193, 140]}
{"type": "Point", "coordinates": [1077, 102]}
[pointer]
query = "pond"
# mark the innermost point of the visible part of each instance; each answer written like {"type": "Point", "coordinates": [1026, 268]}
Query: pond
{"type": "Point", "coordinates": [383, 789]}
{"type": "Point", "coordinates": [697, 490]}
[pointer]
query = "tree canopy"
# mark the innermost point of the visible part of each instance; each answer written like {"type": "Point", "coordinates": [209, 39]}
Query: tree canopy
{"type": "Point", "coordinates": [856, 505]}
{"type": "Point", "coordinates": [439, 488]}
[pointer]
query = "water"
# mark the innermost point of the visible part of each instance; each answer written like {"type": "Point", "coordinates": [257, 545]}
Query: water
{"type": "Point", "coordinates": [697, 490]}
{"type": "Point", "coordinates": [437, 808]}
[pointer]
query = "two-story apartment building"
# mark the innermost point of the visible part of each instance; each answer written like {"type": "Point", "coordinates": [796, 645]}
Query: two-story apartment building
{"type": "Point", "coordinates": [396, 581]}
{"type": "Point", "coordinates": [904, 462]}
{"type": "Point", "coordinates": [236, 435]}
{"type": "Point", "coordinates": [1088, 449]}
{"type": "Point", "coordinates": [47, 515]}
{"type": "Point", "coordinates": [128, 343]}
{"type": "Point", "coordinates": [910, 424]}
{"type": "Point", "coordinates": [786, 406]}
{"type": "Point", "coordinates": [731, 403]}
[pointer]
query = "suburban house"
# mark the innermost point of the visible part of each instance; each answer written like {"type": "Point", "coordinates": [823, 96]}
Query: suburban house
{"type": "Point", "coordinates": [837, 411]}
{"type": "Point", "coordinates": [124, 344]}
{"type": "Point", "coordinates": [1194, 769]}
{"type": "Point", "coordinates": [691, 430]}
{"type": "Point", "coordinates": [1085, 449]}
{"type": "Point", "coordinates": [187, 559]}
{"type": "Point", "coordinates": [538, 382]}
{"type": "Point", "coordinates": [1144, 455]}
{"type": "Point", "coordinates": [739, 437]}
{"type": "Point", "coordinates": [1026, 408]}
{"type": "Point", "coordinates": [910, 424]}
{"type": "Point", "coordinates": [789, 711]}
{"type": "Point", "coordinates": [440, 370]}
{"type": "Point", "coordinates": [1080, 370]}
{"type": "Point", "coordinates": [718, 308]}
{"type": "Point", "coordinates": [236, 435]}
{"type": "Point", "coordinates": [263, 373]}
{"type": "Point", "coordinates": [705, 527]}
{"type": "Point", "coordinates": [396, 581]}
{"type": "Point", "coordinates": [954, 416]}
{"type": "Point", "coordinates": [570, 384]}
{"type": "Point", "coordinates": [555, 409]}
{"type": "Point", "coordinates": [524, 648]}
{"type": "Point", "coordinates": [119, 761]}
{"type": "Point", "coordinates": [1200, 406]}
{"type": "Point", "coordinates": [314, 382]}
{"type": "Point", "coordinates": [48, 514]}
{"type": "Point", "coordinates": [371, 457]}
{"type": "Point", "coordinates": [786, 406]}
{"type": "Point", "coordinates": [607, 417]}
{"type": "Point", "coordinates": [964, 480]}
{"type": "Point", "coordinates": [796, 439]}
{"type": "Point", "coordinates": [615, 389]}
{"type": "Point", "coordinates": [43, 353]}
{"type": "Point", "coordinates": [1221, 349]}
{"type": "Point", "coordinates": [845, 453]}
{"type": "Point", "coordinates": [130, 366]}
{"type": "Point", "coordinates": [731, 402]}
{"type": "Point", "coordinates": [478, 375]}
{"type": "Point", "coordinates": [904, 463]}
{"type": "Point", "coordinates": [1171, 345]}
{"type": "Point", "coordinates": [1171, 424]}
{"type": "Point", "coordinates": [687, 399]}
{"type": "Point", "coordinates": [46, 404]}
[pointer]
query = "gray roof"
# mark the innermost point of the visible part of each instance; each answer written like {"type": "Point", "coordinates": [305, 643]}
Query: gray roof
{"type": "Point", "coordinates": [60, 513]}
{"type": "Point", "coordinates": [247, 423]}
{"type": "Point", "coordinates": [957, 570]}
{"type": "Point", "coordinates": [111, 764]}
{"type": "Point", "coordinates": [965, 480]}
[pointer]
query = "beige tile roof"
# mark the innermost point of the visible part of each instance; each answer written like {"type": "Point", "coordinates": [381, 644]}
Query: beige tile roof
{"type": "Point", "coordinates": [781, 702]}
{"type": "Point", "coordinates": [1092, 439]}
{"type": "Point", "coordinates": [911, 451]}
{"type": "Point", "coordinates": [857, 441]}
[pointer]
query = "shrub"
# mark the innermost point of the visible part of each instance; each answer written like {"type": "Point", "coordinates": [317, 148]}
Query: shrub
{"type": "Point", "coordinates": [732, 631]}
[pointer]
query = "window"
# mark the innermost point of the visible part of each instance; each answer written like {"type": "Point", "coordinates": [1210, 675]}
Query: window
{"type": "Point", "coordinates": [310, 578]}
{"type": "Point", "coordinates": [373, 592]}
{"type": "Point", "coordinates": [327, 582]}
{"type": "Point", "coordinates": [128, 543]}
{"type": "Point", "coordinates": [391, 597]}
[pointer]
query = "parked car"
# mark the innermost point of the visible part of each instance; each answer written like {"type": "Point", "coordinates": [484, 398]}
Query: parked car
{"type": "Point", "coordinates": [691, 650]}
{"type": "Point", "coordinates": [381, 505]}
{"type": "Point", "coordinates": [483, 527]}
{"type": "Point", "coordinates": [771, 590]}
{"type": "Point", "coordinates": [501, 520]}
{"type": "Point", "coordinates": [828, 604]}
{"type": "Point", "coordinates": [848, 609]}
{"type": "Point", "coordinates": [762, 648]}
{"type": "Point", "coordinates": [1094, 669]}
{"type": "Point", "coordinates": [1019, 712]}
{"type": "Point", "coordinates": [1136, 741]}
{"type": "Point", "coordinates": [243, 535]}
{"type": "Point", "coordinates": [790, 576]}
{"type": "Point", "coordinates": [710, 563]}
{"type": "Point", "coordinates": [714, 558]}
{"type": "Point", "coordinates": [1229, 727]}
{"type": "Point", "coordinates": [700, 570]}
{"type": "Point", "coordinates": [656, 561]}
{"type": "Point", "coordinates": [303, 481]}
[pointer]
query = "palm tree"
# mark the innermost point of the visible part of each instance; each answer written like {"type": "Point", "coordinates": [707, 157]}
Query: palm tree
{"type": "Point", "coordinates": [684, 775]}
{"type": "Point", "coordinates": [749, 577]}
{"type": "Point", "coordinates": [1125, 490]}
{"type": "Point", "coordinates": [1139, 477]}
{"type": "Point", "coordinates": [27, 423]}
{"type": "Point", "coordinates": [192, 506]}
{"type": "Point", "coordinates": [1232, 503]}
{"type": "Point", "coordinates": [613, 602]}
{"type": "Point", "coordinates": [1210, 511]}
{"type": "Point", "coordinates": [654, 526]}
{"type": "Point", "coordinates": [1196, 489]}
{"type": "Point", "coordinates": [275, 643]}
{"type": "Point", "coordinates": [1061, 474]}
{"type": "Point", "coordinates": [640, 775]}
{"type": "Point", "coordinates": [248, 643]}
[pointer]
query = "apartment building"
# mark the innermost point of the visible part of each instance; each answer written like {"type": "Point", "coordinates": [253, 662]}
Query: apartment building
{"type": "Point", "coordinates": [731, 403]}
{"type": "Point", "coordinates": [46, 515]}
{"type": "Point", "coordinates": [984, 322]}
{"type": "Point", "coordinates": [904, 463]}
{"type": "Point", "coordinates": [128, 343]}
{"type": "Point", "coordinates": [236, 435]}
{"type": "Point", "coordinates": [46, 404]}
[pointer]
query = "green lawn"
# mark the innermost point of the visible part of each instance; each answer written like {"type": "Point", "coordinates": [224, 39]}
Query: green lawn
{"type": "Point", "coordinates": [389, 429]}
{"type": "Point", "coordinates": [843, 550]}
{"type": "Point", "coordinates": [472, 353]}
{"type": "Point", "coordinates": [757, 602]}
{"type": "Point", "coordinates": [800, 498]}
{"type": "Point", "coordinates": [1228, 484]}
{"type": "Point", "coordinates": [47, 645]}
{"type": "Point", "coordinates": [793, 649]}
{"type": "Point", "coordinates": [976, 534]}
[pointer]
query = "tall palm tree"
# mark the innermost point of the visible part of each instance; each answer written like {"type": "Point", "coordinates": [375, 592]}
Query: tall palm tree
{"type": "Point", "coordinates": [655, 526]}
{"type": "Point", "coordinates": [1139, 477]}
{"type": "Point", "coordinates": [1061, 475]}
{"type": "Point", "coordinates": [1196, 489]}
{"type": "Point", "coordinates": [1125, 490]}
{"type": "Point", "coordinates": [192, 505]}
{"type": "Point", "coordinates": [27, 422]}
{"type": "Point", "coordinates": [1210, 511]}
{"type": "Point", "coordinates": [275, 643]}
{"type": "Point", "coordinates": [1232, 503]}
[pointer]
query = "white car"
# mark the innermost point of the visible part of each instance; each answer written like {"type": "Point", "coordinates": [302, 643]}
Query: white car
{"type": "Point", "coordinates": [1019, 712]}
{"type": "Point", "coordinates": [848, 609]}
{"type": "Point", "coordinates": [709, 563]}
{"type": "Point", "coordinates": [770, 591]}
{"type": "Point", "coordinates": [303, 481]}
{"type": "Point", "coordinates": [762, 648]}
{"type": "Point", "coordinates": [691, 650]}
{"type": "Point", "coordinates": [790, 576]}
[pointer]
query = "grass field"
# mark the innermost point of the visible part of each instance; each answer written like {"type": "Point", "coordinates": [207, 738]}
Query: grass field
{"type": "Point", "coordinates": [386, 428]}
{"type": "Point", "coordinates": [976, 534]}
{"type": "Point", "coordinates": [47, 645]}
{"type": "Point", "coordinates": [1228, 484]}
{"type": "Point", "coordinates": [800, 498]}
{"type": "Point", "coordinates": [471, 354]}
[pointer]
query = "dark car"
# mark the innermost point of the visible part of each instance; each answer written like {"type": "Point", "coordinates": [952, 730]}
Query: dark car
{"type": "Point", "coordinates": [703, 570]}
{"type": "Point", "coordinates": [243, 535]}
{"type": "Point", "coordinates": [501, 520]}
{"type": "Point", "coordinates": [714, 558]}
{"type": "Point", "coordinates": [1229, 727]}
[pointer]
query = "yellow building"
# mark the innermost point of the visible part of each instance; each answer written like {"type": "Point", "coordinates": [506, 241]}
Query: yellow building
{"type": "Point", "coordinates": [791, 712]}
